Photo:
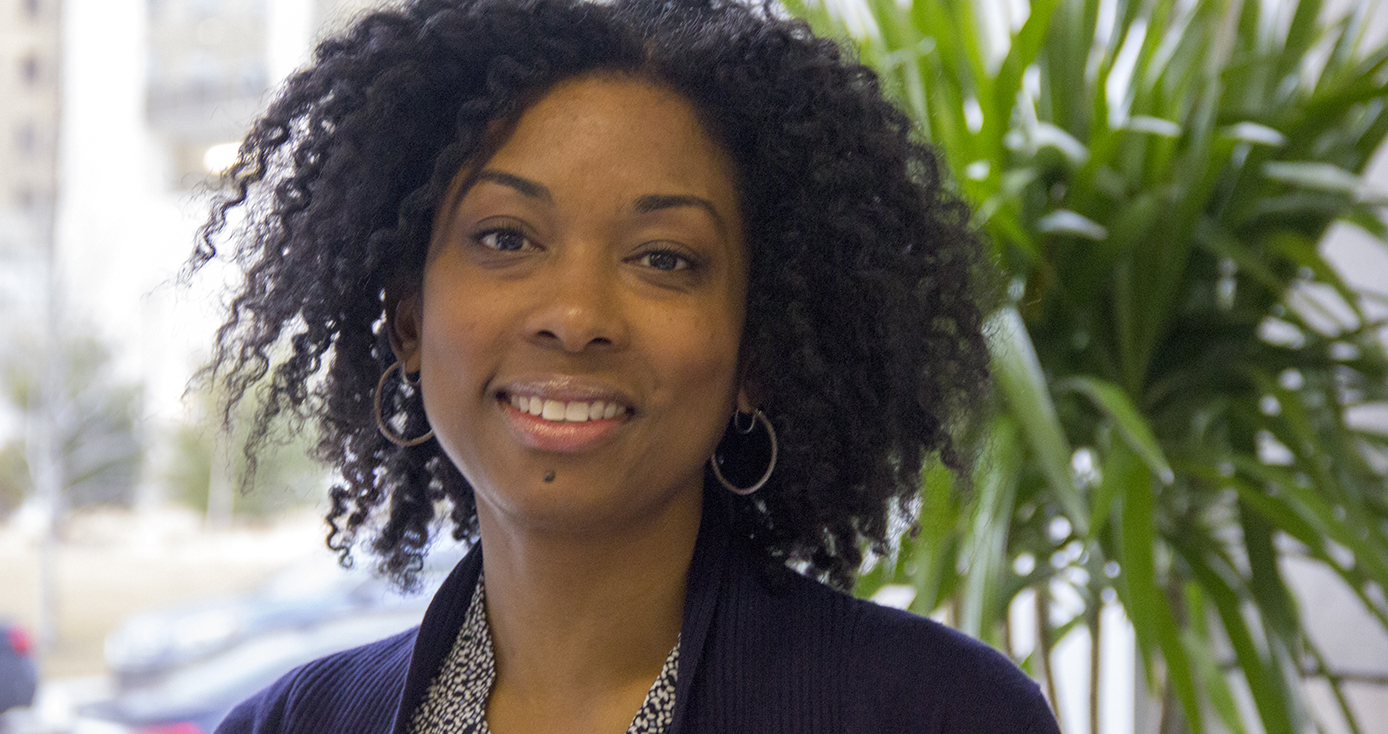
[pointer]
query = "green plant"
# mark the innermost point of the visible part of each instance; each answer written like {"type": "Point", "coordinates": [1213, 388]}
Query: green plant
{"type": "Point", "coordinates": [285, 474]}
{"type": "Point", "coordinates": [96, 419]}
{"type": "Point", "coordinates": [1179, 368]}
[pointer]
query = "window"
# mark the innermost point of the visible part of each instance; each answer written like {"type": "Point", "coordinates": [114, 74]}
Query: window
{"type": "Point", "coordinates": [27, 139]}
{"type": "Point", "coordinates": [29, 70]}
{"type": "Point", "coordinates": [204, 8]}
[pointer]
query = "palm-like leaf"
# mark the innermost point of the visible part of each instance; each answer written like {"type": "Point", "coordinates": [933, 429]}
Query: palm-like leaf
{"type": "Point", "coordinates": [1156, 176]}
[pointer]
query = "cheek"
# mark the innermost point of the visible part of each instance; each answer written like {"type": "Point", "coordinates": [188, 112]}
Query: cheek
{"type": "Point", "coordinates": [448, 378]}
{"type": "Point", "coordinates": [701, 356]}
{"type": "Point", "coordinates": [455, 353]}
{"type": "Point", "coordinates": [458, 338]}
{"type": "Point", "coordinates": [450, 344]}
{"type": "Point", "coordinates": [461, 319]}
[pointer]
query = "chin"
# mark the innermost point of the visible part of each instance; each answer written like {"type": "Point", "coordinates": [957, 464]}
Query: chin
{"type": "Point", "coordinates": [573, 503]}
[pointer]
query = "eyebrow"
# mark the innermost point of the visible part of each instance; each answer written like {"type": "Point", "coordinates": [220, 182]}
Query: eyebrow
{"type": "Point", "coordinates": [655, 202]}
{"type": "Point", "coordinates": [524, 185]}
{"type": "Point", "coordinates": [643, 205]}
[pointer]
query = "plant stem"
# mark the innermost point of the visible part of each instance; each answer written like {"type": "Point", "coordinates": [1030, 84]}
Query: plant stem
{"type": "Point", "coordinates": [1043, 638]}
{"type": "Point", "coordinates": [1334, 681]}
{"type": "Point", "coordinates": [1095, 638]}
{"type": "Point", "coordinates": [1007, 636]}
{"type": "Point", "coordinates": [1170, 715]}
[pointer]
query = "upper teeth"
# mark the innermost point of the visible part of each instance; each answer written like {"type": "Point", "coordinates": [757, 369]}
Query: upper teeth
{"type": "Point", "coordinates": [575, 411]}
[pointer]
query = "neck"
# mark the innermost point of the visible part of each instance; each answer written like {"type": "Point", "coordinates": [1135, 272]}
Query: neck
{"type": "Point", "coordinates": [582, 614]}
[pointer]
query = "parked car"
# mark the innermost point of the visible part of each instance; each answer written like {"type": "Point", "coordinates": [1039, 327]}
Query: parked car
{"type": "Point", "coordinates": [181, 670]}
{"type": "Point", "coordinates": [18, 677]}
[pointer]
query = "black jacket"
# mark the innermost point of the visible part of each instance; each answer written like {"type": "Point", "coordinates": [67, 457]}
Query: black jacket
{"type": "Point", "coordinates": [757, 656]}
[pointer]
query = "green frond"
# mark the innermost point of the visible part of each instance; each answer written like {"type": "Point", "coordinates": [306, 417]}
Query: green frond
{"type": "Point", "coordinates": [1157, 182]}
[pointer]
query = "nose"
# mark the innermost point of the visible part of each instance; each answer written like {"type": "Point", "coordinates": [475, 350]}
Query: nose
{"type": "Point", "coordinates": [578, 308]}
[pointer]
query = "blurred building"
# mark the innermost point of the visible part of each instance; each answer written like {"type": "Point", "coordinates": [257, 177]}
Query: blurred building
{"type": "Point", "coordinates": [213, 65]}
{"type": "Point", "coordinates": [206, 78]}
{"type": "Point", "coordinates": [29, 76]}
{"type": "Point", "coordinates": [155, 95]}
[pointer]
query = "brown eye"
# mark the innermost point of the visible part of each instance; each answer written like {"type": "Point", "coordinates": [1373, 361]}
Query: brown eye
{"type": "Point", "coordinates": [664, 260]}
{"type": "Point", "coordinates": [504, 240]}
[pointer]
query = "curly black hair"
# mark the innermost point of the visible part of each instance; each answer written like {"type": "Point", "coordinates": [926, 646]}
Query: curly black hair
{"type": "Point", "coordinates": [863, 330]}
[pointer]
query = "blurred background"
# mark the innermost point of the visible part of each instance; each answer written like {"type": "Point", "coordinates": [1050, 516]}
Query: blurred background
{"type": "Point", "coordinates": [116, 486]}
{"type": "Point", "coordinates": [1180, 521]}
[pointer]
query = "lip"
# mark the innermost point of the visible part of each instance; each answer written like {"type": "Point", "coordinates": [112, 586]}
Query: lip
{"type": "Point", "coordinates": [566, 388]}
{"type": "Point", "coordinates": [539, 434]}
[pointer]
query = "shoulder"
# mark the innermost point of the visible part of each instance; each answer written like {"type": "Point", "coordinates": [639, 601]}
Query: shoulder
{"type": "Point", "coordinates": [874, 635]}
{"type": "Point", "coordinates": [353, 690]}
{"type": "Point", "coordinates": [893, 670]}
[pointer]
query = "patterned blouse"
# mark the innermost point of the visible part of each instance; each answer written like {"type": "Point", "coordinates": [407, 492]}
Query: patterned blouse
{"type": "Point", "coordinates": [456, 702]}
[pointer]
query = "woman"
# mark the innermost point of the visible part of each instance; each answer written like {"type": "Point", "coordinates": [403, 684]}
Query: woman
{"type": "Point", "coordinates": [652, 299]}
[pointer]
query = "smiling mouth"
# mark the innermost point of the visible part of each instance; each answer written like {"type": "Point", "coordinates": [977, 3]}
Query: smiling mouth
{"type": "Point", "coordinates": [562, 411]}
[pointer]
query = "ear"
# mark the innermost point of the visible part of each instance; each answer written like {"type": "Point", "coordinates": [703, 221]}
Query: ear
{"type": "Point", "coordinates": [745, 404]}
{"type": "Point", "coordinates": [403, 327]}
{"type": "Point", "coordinates": [749, 392]}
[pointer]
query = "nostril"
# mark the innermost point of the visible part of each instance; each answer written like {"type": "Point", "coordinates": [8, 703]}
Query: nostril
{"type": "Point", "coordinates": [549, 336]}
{"type": "Point", "coordinates": [574, 330]}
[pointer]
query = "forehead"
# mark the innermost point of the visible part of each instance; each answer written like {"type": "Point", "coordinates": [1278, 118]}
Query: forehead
{"type": "Point", "coordinates": [646, 115]}
{"type": "Point", "coordinates": [616, 136]}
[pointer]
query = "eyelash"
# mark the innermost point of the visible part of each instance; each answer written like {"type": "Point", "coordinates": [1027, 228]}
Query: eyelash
{"type": "Point", "coordinates": [495, 232]}
{"type": "Point", "coordinates": [490, 239]}
{"type": "Point", "coordinates": [684, 262]}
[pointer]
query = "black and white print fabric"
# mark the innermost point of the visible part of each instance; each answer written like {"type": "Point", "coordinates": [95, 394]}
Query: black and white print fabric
{"type": "Point", "coordinates": [658, 710]}
{"type": "Point", "coordinates": [456, 702]}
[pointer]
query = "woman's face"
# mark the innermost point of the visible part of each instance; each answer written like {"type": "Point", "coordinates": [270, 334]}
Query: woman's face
{"type": "Point", "coordinates": [582, 308]}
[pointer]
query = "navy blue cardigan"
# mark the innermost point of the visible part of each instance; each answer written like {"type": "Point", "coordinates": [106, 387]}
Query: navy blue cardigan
{"type": "Point", "coordinates": [757, 656]}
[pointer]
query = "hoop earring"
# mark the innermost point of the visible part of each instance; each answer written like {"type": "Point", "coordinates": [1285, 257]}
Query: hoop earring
{"type": "Point", "coordinates": [751, 421]}
{"type": "Point", "coordinates": [381, 424]}
{"type": "Point", "coordinates": [757, 417]}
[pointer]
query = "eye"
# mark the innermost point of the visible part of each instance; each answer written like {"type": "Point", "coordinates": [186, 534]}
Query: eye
{"type": "Point", "coordinates": [665, 260]}
{"type": "Point", "coordinates": [505, 240]}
